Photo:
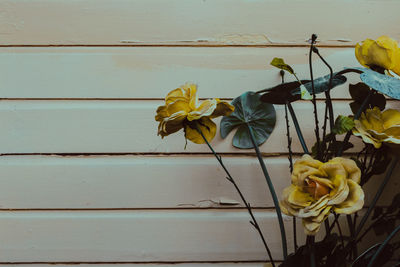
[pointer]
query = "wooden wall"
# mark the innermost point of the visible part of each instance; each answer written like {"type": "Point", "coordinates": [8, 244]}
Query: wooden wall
{"type": "Point", "coordinates": [84, 178]}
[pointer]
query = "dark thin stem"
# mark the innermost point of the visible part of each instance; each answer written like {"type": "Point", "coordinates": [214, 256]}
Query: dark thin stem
{"type": "Point", "coordinates": [348, 70]}
{"type": "Point", "coordinates": [339, 229]}
{"type": "Point", "coordinates": [356, 117]}
{"type": "Point", "coordinates": [298, 130]}
{"type": "Point", "coordinates": [272, 191]}
{"type": "Point", "coordinates": [314, 100]}
{"type": "Point", "coordinates": [327, 93]}
{"type": "Point", "coordinates": [383, 245]}
{"type": "Point", "coordinates": [247, 204]}
{"type": "Point", "coordinates": [377, 195]}
{"type": "Point", "coordinates": [326, 222]}
{"type": "Point", "coordinates": [352, 233]}
{"type": "Point", "coordinates": [289, 139]}
{"type": "Point", "coordinates": [311, 245]}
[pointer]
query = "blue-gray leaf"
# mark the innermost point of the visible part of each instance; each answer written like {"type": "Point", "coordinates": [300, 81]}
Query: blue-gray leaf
{"type": "Point", "coordinates": [382, 83]}
{"type": "Point", "coordinates": [322, 84]}
{"type": "Point", "coordinates": [249, 112]}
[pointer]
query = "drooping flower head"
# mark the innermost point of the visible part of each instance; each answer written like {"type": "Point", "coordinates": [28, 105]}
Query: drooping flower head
{"type": "Point", "coordinates": [318, 188]}
{"type": "Point", "coordinates": [182, 110]}
{"type": "Point", "coordinates": [383, 52]}
{"type": "Point", "coordinates": [376, 127]}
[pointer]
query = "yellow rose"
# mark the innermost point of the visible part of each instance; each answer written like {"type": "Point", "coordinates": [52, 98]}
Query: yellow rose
{"type": "Point", "coordinates": [376, 127]}
{"type": "Point", "coordinates": [182, 109]}
{"type": "Point", "coordinates": [318, 188]}
{"type": "Point", "coordinates": [382, 52]}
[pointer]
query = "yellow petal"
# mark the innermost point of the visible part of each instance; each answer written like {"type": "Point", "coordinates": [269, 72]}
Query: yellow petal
{"type": "Point", "coordinates": [161, 113]}
{"type": "Point", "coordinates": [396, 60]}
{"type": "Point", "coordinates": [206, 108]}
{"type": "Point", "coordinates": [178, 106]}
{"type": "Point", "coordinates": [380, 56]}
{"type": "Point", "coordinates": [340, 191]}
{"type": "Point", "coordinates": [305, 167]}
{"type": "Point", "coordinates": [186, 93]}
{"type": "Point", "coordinates": [354, 201]}
{"type": "Point", "coordinates": [300, 198]}
{"type": "Point", "coordinates": [360, 131]}
{"type": "Point", "coordinates": [206, 126]}
{"type": "Point", "coordinates": [361, 51]}
{"type": "Point", "coordinates": [353, 172]}
{"type": "Point", "coordinates": [390, 117]}
{"type": "Point", "coordinates": [171, 124]}
{"type": "Point", "coordinates": [223, 109]}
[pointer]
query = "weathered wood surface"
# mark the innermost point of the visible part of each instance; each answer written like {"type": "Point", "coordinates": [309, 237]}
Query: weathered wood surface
{"type": "Point", "coordinates": [151, 72]}
{"type": "Point", "coordinates": [143, 182]}
{"type": "Point", "coordinates": [180, 22]}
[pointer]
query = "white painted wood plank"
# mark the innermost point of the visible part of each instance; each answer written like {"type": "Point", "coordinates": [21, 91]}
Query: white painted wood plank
{"type": "Point", "coordinates": [219, 22]}
{"type": "Point", "coordinates": [121, 126]}
{"type": "Point", "coordinates": [119, 182]}
{"type": "Point", "coordinates": [150, 72]}
{"type": "Point", "coordinates": [144, 236]}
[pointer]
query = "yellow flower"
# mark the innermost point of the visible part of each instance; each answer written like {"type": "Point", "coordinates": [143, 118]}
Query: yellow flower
{"type": "Point", "coordinates": [318, 188]}
{"type": "Point", "coordinates": [382, 52]}
{"type": "Point", "coordinates": [376, 127]}
{"type": "Point", "coordinates": [183, 110]}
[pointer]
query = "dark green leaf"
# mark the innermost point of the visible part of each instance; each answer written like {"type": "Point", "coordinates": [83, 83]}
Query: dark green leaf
{"type": "Point", "coordinates": [355, 106]}
{"type": "Point", "coordinates": [378, 100]}
{"type": "Point", "coordinates": [280, 64]}
{"type": "Point", "coordinates": [343, 124]}
{"type": "Point", "coordinates": [249, 110]}
{"type": "Point", "coordinates": [281, 93]}
{"type": "Point", "coordinates": [358, 91]}
{"type": "Point", "coordinates": [382, 83]}
{"type": "Point", "coordinates": [335, 146]}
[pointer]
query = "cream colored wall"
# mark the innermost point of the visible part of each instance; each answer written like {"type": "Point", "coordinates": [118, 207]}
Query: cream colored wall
{"type": "Point", "coordinates": [83, 176]}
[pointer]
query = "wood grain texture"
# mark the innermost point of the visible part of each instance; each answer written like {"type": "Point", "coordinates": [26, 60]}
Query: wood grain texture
{"type": "Point", "coordinates": [143, 182]}
{"type": "Point", "coordinates": [137, 236]}
{"type": "Point", "coordinates": [151, 72]}
{"type": "Point", "coordinates": [180, 22]}
{"type": "Point", "coordinates": [123, 127]}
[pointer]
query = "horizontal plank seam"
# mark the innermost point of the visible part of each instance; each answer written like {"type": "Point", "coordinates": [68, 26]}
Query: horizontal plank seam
{"type": "Point", "coordinates": [78, 154]}
{"type": "Point", "coordinates": [219, 208]}
{"type": "Point", "coordinates": [130, 262]}
{"type": "Point", "coordinates": [195, 45]}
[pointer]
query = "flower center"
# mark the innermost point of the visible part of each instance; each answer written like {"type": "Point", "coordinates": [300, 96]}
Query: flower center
{"type": "Point", "coordinates": [315, 189]}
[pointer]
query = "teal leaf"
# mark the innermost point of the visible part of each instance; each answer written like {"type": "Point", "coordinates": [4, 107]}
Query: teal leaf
{"type": "Point", "coordinates": [321, 84]}
{"type": "Point", "coordinates": [281, 93]}
{"type": "Point", "coordinates": [249, 110]}
{"type": "Point", "coordinates": [382, 83]}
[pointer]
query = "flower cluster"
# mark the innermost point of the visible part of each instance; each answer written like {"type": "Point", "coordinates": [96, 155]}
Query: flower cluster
{"type": "Point", "coordinates": [183, 110]}
{"type": "Point", "coordinates": [318, 188]}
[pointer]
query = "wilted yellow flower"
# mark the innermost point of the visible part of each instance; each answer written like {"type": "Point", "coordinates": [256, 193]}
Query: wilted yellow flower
{"type": "Point", "coordinates": [183, 110]}
{"type": "Point", "coordinates": [318, 188]}
{"type": "Point", "coordinates": [383, 52]}
{"type": "Point", "coordinates": [376, 127]}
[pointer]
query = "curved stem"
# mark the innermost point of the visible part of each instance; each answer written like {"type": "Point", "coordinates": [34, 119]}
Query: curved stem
{"type": "Point", "coordinates": [383, 245]}
{"type": "Point", "coordinates": [298, 130]}
{"type": "Point", "coordinates": [314, 100]}
{"type": "Point", "coordinates": [247, 204]}
{"type": "Point", "coordinates": [377, 196]}
{"type": "Point", "coordinates": [348, 70]}
{"type": "Point", "coordinates": [272, 191]}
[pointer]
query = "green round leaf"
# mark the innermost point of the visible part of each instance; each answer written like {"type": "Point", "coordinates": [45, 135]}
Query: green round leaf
{"type": "Point", "coordinates": [382, 83]}
{"type": "Point", "coordinates": [249, 110]}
